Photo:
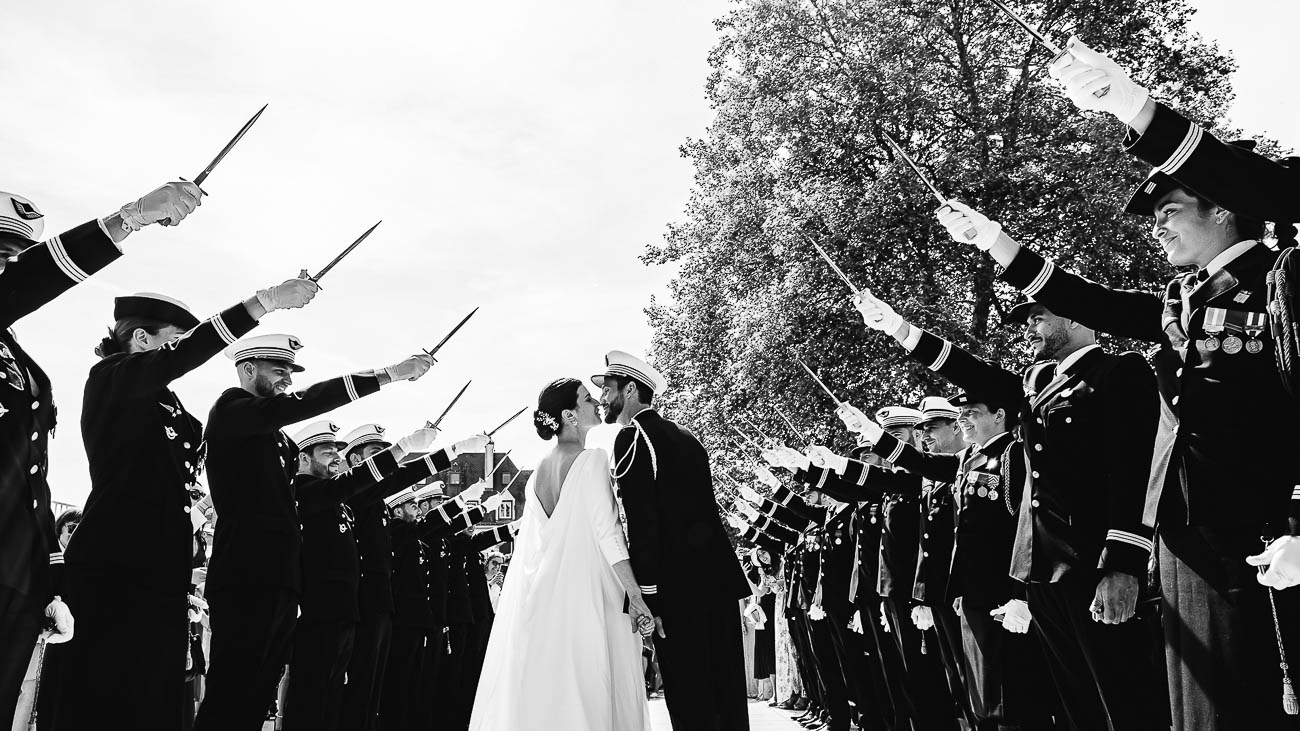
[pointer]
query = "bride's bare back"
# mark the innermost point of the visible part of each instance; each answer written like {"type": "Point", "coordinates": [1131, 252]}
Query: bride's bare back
{"type": "Point", "coordinates": [551, 474]}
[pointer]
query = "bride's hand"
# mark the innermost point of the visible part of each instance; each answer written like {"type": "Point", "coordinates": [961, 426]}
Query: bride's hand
{"type": "Point", "coordinates": [643, 621]}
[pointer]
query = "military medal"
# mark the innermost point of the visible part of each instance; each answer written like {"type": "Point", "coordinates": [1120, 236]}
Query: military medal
{"type": "Point", "coordinates": [1255, 323]}
{"type": "Point", "coordinates": [1213, 325]}
{"type": "Point", "coordinates": [983, 491]}
{"type": "Point", "coordinates": [1232, 345]}
{"type": "Point", "coordinates": [993, 494]}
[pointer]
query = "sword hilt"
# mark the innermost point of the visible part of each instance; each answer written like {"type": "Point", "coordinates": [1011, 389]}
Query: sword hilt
{"type": "Point", "coordinates": [1100, 93]}
{"type": "Point", "coordinates": [970, 233]}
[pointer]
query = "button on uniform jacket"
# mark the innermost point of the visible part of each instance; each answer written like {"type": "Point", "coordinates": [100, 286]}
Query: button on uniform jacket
{"type": "Point", "coordinates": [680, 551]}
{"type": "Point", "coordinates": [145, 452]}
{"type": "Point", "coordinates": [34, 278]}
{"type": "Point", "coordinates": [258, 538]}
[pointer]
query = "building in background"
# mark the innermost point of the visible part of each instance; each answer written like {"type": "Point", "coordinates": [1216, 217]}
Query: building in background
{"type": "Point", "coordinates": [471, 467]}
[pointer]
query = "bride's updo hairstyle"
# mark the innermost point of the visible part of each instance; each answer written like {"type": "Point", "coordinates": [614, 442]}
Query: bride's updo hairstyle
{"type": "Point", "coordinates": [552, 402]}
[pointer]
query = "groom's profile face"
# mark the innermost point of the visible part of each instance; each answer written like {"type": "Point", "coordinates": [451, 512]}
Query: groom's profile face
{"type": "Point", "coordinates": [611, 399]}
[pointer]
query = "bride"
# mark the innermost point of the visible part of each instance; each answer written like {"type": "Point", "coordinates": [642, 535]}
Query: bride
{"type": "Point", "coordinates": [564, 654]}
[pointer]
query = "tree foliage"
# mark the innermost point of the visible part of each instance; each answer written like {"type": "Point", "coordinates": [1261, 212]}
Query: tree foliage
{"type": "Point", "coordinates": [804, 94]}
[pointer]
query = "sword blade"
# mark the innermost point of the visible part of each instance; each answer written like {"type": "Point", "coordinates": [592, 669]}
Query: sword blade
{"type": "Point", "coordinates": [838, 272]}
{"type": "Point", "coordinates": [507, 421]}
{"type": "Point", "coordinates": [916, 169]}
{"type": "Point", "coordinates": [744, 436]}
{"type": "Point", "coordinates": [819, 382]}
{"type": "Point", "coordinates": [1033, 31]}
{"type": "Point", "coordinates": [198, 179]}
{"type": "Point", "coordinates": [790, 424]}
{"type": "Point", "coordinates": [346, 251]}
{"type": "Point", "coordinates": [434, 424]}
{"type": "Point", "coordinates": [454, 330]}
{"type": "Point", "coordinates": [498, 466]}
{"type": "Point", "coordinates": [756, 428]}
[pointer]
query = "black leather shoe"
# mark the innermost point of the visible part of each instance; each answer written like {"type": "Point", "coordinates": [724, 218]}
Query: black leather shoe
{"type": "Point", "coordinates": [801, 704]}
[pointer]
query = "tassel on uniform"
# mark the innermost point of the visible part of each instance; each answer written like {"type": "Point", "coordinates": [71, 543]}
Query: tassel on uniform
{"type": "Point", "coordinates": [1290, 705]}
{"type": "Point", "coordinates": [1289, 702]}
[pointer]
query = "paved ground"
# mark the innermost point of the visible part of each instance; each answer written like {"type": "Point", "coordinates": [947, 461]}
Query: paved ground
{"type": "Point", "coordinates": [761, 717]}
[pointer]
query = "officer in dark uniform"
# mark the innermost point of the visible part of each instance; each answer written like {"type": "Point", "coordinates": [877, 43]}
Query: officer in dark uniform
{"type": "Point", "coordinates": [1089, 422]}
{"type": "Point", "coordinates": [679, 550]}
{"type": "Point", "coordinates": [933, 610]}
{"type": "Point", "coordinates": [255, 576]}
{"type": "Point", "coordinates": [480, 601]}
{"type": "Point", "coordinates": [331, 569]}
{"type": "Point", "coordinates": [1006, 673]}
{"type": "Point", "coordinates": [145, 452]}
{"type": "Point", "coordinates": [31, 275]}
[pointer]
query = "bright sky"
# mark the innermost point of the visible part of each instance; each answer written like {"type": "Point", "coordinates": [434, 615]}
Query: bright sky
{"type": "Point", "coordinates": [521, 155]}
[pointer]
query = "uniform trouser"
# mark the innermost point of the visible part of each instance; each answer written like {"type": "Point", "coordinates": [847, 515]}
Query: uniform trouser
{"type": "Point", "coordinates": [854, 652]}
{"type": "Point", "coordinates": [435, 651]}
{"type": "Point", "coordinates": [1006, 674]}
{"type": "Point", "coordinates": [451, 673]}
{"type": "Point", "coordinates": [883, 662]}
{"type": "Point", "coordinates": [125, 667]}
{"type": "Point", "coordinates": [252, 633]}
{"type": "Point", "coordinates": [475, 654]}
{"type": "Point", "coordinates": [1104, 673]}
{"type": "Point", "coordinates": [321, 652]}
{"type": "Point", "coordinates": [803, 657]}
{"type": "Point", "coordinates": [360, 709]}
{"type": "Point", "coordinates": [702, 660]}
{"type": "Point", "coordinates": [21, 618]}
{"type": "Point", "coordinates": [924, 686]}
{"type": "Point", "coordinates": [832, 674]}
{"type": "Point", "coordinates": [400, 701]}
{"type": "Point", "coordinates": [946, 639]}
{"type": "Point", "coordinates": [1221, 647]}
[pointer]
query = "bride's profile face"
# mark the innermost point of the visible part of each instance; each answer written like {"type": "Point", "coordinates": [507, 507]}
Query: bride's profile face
{"type": "Point", "coordinates": [587, 409]}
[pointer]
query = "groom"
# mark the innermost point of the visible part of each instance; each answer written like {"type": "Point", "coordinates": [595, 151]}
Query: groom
{"type": "Point", "coordinates": [688, 573]}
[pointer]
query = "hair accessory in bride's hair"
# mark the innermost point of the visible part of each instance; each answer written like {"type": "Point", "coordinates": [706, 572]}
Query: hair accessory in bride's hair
{"type": "Point", "coordinates": [541, 418]}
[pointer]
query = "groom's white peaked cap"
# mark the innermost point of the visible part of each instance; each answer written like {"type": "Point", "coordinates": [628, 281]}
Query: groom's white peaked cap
{"type": "Point", "coordinates": [618, 363]}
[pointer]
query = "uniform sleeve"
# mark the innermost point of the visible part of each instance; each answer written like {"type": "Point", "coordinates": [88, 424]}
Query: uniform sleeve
{"type": "Point", "coordinates": [144, 373]}
{"type": "Point", "coordinates": [1123, 312]}
{"type": "Point", "coordinates": [786, 497]}
{"type": "Point", "coordinates": [603, 514]}
{"type": "Point", "coordinates": [776, 530]}
{"type": "Point", "coordinates": [1131, 411]}
{"type": "Point", "coordinates": [763, 540]}
{"type": "Point", "coordinates": [318, 494]}
{"type": "Point", "coordinates": [453, 517]}
{"type": "Point", "coordinates": [406, 475]}
{"type": "Point", "coordinates": [781, 513]}
{"type": "Point", "coordinates": [42, 272]}
{"type": "Point", "coordinates": [964, 369]}
{"type": "Point", "coordinates": [1237, 179]}
{"type": "Point", "coordinates": [862, 481]}
{"type": "Point", "coordinates": [635, 465]}
{"type": "Point", "coordinates": [937, 467]}
{"type": "Point", "coordinates": [267, 414]}
{"type": "Point", "coordinates": [489, 538]}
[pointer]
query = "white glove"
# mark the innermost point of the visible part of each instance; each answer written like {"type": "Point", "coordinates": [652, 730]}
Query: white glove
{"type": "Point", "coordinates": [61, 616]}
{"type": "Point", "coordinates": [923, 618]}
{"type": "Point", "coordinates": [877, 314]}
{"type": "Point", "coordinates": [855, 624]}
{"type": "Point", "coordinates": [168, 205]}
{"type": "Point", "coordinates": [826, 459]}
{"type": "Point", "coordinates": [747, 510]}
{"type": "Point", "coordinates": [410, 369]}
{"type": "Point", "coordinates": [1085, 73]}
{"type": "Point", "coordinates": [1016, 616]}
{"type": "Point", "coordinates": [493, 501]}
{"type": "Point", "coordinates": [473, 493]}
{"type": "Point", "coordinates": [476, 443]}
{"type": "Point", "coordinates": [961, 220]}
{"type": "Point", "coordinates": [1282, 557]}
{"type": "Point", "coordinates": [197, 608]}
{"type": "Point", "coordinates": [790, 459]}
{"type": "Point", "coordinates": [419, 441]}
{"type": "Point", "coordinates": [766, 477]}
{"type": "Point", "coordinates": [816, 613]}
{"type": "Point", "coordinates": [858, 422]}
{"type": "Point", "coordinates": [884, 622]}
{"type": "Point", "coordinates": [740, 525]}
{"type": "Point", "coordinates": [289, 295]}
{"type": "Point", "coordinates": [749, 494]}
{"type": "Point", "coordinates": [514, 527]}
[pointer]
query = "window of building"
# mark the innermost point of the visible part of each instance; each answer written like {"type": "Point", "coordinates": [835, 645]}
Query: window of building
{"type": "Point", "coordinates": [454, 478]}
{"type": "Point", "coordinates": [506, 511]}
{"type": "Point", "coordinates": [505, 478]}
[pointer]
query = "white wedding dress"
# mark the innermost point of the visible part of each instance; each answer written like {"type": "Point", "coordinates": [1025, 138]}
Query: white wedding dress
{"type": "Point", "coordinates": [563, 654]}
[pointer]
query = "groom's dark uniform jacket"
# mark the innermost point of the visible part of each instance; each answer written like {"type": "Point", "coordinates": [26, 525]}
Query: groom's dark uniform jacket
{"type": "Point", "coordinates": [680, 552]}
